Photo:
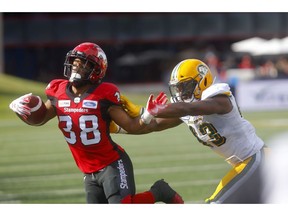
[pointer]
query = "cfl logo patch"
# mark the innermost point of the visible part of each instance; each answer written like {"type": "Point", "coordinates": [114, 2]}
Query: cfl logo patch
{"type": "Point", "coordinates": [202, 69]}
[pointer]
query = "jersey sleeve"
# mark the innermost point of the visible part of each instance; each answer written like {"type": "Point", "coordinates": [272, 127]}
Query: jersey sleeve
{"type": "Point", "coordinates": [216, 89]}
{"type": "Point", "coordinates": [112, 93]}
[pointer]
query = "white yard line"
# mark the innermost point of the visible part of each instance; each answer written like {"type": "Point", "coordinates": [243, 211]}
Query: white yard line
{"type": "Point", "coordinates": [14, 198]}
{"type": "Point", "coordinates": [144, 171]}
{"type": "Point", "coordinates": [174, 157]}
{"type": "Point", "coordinates": [177, 169]}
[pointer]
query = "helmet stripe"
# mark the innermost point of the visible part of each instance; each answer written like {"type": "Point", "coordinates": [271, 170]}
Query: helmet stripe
{"type": "Point", "coordinates": [175, 71]}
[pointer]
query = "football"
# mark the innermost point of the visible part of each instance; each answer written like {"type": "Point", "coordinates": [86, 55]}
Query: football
{"type": "Point", "coordinates": [38, 110]}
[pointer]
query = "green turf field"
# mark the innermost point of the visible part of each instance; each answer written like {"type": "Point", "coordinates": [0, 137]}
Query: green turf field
{"type": "Point", "coordinates": [36, 165]}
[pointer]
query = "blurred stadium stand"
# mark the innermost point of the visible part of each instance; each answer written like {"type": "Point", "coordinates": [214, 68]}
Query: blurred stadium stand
{"type": "Point", "coordinates": [141, 47]}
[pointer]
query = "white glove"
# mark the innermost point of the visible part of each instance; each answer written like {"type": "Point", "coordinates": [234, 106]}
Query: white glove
{"type": "Point", "coordinates": [19, 106]}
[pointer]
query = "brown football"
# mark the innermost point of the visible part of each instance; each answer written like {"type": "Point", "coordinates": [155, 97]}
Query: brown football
{"type": "Point", "coordinates": [38, 110]}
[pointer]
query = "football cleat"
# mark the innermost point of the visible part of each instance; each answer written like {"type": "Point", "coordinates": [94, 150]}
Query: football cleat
{"type": "Point", "coordinates": [164, 193]}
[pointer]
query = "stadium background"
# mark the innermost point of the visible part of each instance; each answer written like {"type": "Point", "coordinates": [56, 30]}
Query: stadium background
{"type": "Point", "coordinates": [141, 47]}
{"type": "Point", "coordinates": [35, 163]}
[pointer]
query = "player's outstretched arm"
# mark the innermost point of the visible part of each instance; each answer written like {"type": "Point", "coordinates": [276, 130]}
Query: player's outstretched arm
{"type": "Point", "coordinates": [219, 104]}
{"type": "Point", "coordinates": [139, 126]}
{"type": "Point", "coordinates": [132, 109]}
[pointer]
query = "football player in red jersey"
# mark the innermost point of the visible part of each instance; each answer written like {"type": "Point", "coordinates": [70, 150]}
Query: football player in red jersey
{"type": "Point", "coordinates": [85, 107]}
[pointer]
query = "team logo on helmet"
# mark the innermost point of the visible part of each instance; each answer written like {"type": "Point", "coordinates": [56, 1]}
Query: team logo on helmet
{"type": "Point", "coordinates": [202, 69]}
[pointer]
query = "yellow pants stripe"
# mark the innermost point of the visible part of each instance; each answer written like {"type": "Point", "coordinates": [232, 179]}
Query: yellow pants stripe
{"type": "Point", "coordinates": [236, 170]}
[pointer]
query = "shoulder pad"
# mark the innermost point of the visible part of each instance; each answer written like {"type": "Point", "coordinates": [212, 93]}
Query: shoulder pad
{"type": "Point", "coordinates": [53, 86]}
{"type": "Point", "coordinates": [216, 89]}
{"type": "Point", "coordinates": [111, 92]}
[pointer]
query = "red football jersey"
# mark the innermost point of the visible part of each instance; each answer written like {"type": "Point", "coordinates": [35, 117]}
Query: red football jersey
{"type": "Point", "coordinates": [84, 122]}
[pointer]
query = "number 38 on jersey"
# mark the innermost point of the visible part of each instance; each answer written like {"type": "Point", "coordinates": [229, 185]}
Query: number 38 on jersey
{"type": "Point", "coordinates": [88, 133]}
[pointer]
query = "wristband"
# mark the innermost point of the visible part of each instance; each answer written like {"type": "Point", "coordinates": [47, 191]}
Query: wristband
{"type": "Point", "coordinates": [146, 117]}
{"type": "Point", "coordinates": [142, 110]}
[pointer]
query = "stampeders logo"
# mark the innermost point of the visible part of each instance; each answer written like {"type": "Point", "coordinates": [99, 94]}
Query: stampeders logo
{"type": "Point", "coordinates": [123, 179]}
{"type": "Point", "coordinates": [75, 110]}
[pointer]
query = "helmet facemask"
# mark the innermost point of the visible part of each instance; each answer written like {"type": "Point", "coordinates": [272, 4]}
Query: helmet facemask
{"type": "Point", "coordinates": [183, 91]}
{"type": "Point", "coordinates": [80, 75]}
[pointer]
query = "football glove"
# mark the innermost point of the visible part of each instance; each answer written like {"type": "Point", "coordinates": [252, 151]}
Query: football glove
{"type": "Point", "coordinates": [132, 109]}
{"type": "Point", "coordinates": [153, 106]}
{"type": "Point", "coordinates": [19, 106]}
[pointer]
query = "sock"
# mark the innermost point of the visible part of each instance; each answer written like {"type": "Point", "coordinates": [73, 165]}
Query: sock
{"type": "Point", "coordinates": [145, 197]}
